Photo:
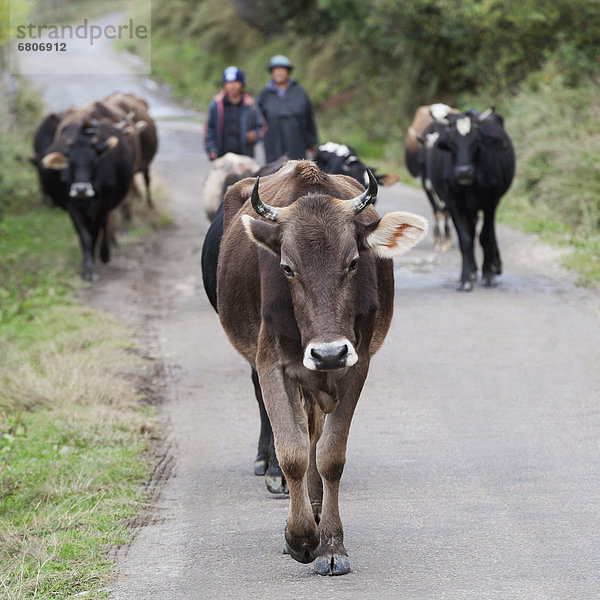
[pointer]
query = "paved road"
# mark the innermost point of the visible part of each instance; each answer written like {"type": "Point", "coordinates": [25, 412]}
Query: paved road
{"type": "Point", "coordinates": [473, 462]}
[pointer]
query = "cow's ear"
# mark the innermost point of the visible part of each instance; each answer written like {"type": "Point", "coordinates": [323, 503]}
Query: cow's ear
{"type": "Point", "coordinates": [263, 234]}
{"type": "Point", "coordinates": [55, 161]}
{"type": "Point", "coordinates": [395, 234]}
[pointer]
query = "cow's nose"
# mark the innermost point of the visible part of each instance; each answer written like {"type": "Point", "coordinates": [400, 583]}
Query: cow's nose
{"type": "Point", "coordinates": [330, 356]}
{"type": "Point", "coordinates": [465, 174]}
{"type": "Point", "coordinates": [82, 189]}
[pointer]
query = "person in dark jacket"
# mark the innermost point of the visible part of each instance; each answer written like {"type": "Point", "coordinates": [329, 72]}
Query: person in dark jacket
{"type": "Point", "coordinates": [288, 113]}
{"type": "Point", "coordinates": [233, 123]}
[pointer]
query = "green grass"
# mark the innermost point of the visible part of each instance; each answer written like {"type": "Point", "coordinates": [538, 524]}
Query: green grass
{"type": "Point", "coordinates": [556, 193]}
{"type": "Point", "coordinates": [33, 275]}
{"type": "Point", "coordinates": [72, 436]}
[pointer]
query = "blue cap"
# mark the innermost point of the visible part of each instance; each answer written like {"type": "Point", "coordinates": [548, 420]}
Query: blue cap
{"type": "Point", "coordinates": [233, 74]}
{"type": "Point", "coordinates": [280, 61]}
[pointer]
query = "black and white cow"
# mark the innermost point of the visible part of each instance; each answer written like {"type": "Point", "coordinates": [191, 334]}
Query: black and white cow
{"type": "Point", "coordinates": [340, 159]}
{"type": "Point", "coordinates": [471, 165]}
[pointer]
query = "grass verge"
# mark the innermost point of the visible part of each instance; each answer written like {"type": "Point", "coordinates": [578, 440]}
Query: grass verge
{"type": "Point", "coordinates": [555, 126]}
{"type": "Point", "coordinates": [72, 437]}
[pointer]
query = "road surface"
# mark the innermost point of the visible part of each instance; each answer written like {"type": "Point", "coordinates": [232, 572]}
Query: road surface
{"type": "Point", "coordinates": [473, 464]}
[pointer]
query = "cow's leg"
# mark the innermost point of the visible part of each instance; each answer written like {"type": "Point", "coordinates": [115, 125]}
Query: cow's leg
{"type": "Point", "coordinates": [266, 462]}
{"type": "Point", "coordinates": [316, 419]}
{"type": "Point", "coordinates": [290, 429]}
{"type": "Point", "coordinates": [437, 234]}
{"type": "Point", "coordinates": [105, 232]}
{"type": "Point", "coordinates": [442, 239]}
{"type": "Point", "coordinates": [88, 242]}
{"type": "Point", "coordinates": [438, 211]}
{"type": "Point", "coordinates": [264, 439]}
{"type": "Point", "coordinates": [331, 458]}
{"type": "Point", "coordinates": [447, 232]}
{"type": "Point", "coordinates": [492, 264]}
{"type": "Point", "coordinates": [442, 235]}
{"type": "Point", "coordinates": [274, 477]}
{"type": "Point", "coordinates": [464, 222]}
{"type": "Point", "coordinates": [148, 192]}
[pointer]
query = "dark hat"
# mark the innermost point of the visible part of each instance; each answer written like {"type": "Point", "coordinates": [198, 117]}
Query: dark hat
{"type": "Point", "coordinates": [233, 74]}
{"type": "Point", "coordinates": [280, 61]}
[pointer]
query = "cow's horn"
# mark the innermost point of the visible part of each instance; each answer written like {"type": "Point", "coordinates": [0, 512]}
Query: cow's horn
{"type": "Point", "coordinates": [264, 210]}
{"type": "Point", "coordinates": [367, 197]}
{"type": "Point", "coordinates": [486, 114]}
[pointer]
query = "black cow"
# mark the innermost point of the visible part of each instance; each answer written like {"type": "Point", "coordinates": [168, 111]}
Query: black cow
{"type": "Point", "coordinates": [471, 166]}
{"type": "Point", "coordinates": [87, 171]}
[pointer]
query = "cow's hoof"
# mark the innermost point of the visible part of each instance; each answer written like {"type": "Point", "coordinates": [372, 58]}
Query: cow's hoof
{"type": "Point", "coordinates": [489, 281]}
{"type": "Point", "coordinates": [260, 467]}
{"type": "Point", "coordinates": [305, 555]}
{"type": "Point", "coordinates": [276, 484]}
{"type": "Point", "coordinates": [90, 276]}
{"type": "Point", "coordinates": [332, 564]}
{"type": "Point", "coordinates": [465, 286]}
{"type": "Point", "coordinates": [303, 548]}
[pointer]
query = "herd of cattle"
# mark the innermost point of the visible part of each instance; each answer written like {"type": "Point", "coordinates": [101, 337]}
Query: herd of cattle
{"type": "Point", "coordinates": [87, 157]}
{"type": "Point", "coordinates": [297, 264]}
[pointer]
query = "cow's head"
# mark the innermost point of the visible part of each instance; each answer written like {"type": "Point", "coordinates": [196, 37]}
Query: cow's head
{"type": "Point", "coordinates": [77, 153]}
{"type": "Point", "coordinates": [320, 245]}
{"type": "Point", "coordinates": [462, 137]}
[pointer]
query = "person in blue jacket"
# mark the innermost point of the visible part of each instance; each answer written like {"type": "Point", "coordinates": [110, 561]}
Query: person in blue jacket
{"type": "Point", "coordinates": [288, 112]}
{"type": "Point", "coordinates": [233, 123]}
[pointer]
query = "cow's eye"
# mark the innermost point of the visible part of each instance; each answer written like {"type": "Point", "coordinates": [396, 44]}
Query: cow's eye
{"type": "Point", "coordinates": [353, 265]}
{"type": "Point", "coordinates": [289, 272]}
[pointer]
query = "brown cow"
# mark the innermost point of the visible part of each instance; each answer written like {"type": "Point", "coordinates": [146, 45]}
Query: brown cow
{"type": "Point", "coordinates": [415, 147]}
{"type": "Point", "coordinates": [306, 294]}
{"type": "Point", "coordinates": [136, 109]}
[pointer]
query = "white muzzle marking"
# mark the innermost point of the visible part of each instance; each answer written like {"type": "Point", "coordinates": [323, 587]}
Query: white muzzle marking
{"type": "Point", "coordinates": [330, 356]}
{"type": "Point", "coordinates": [82, 189]}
